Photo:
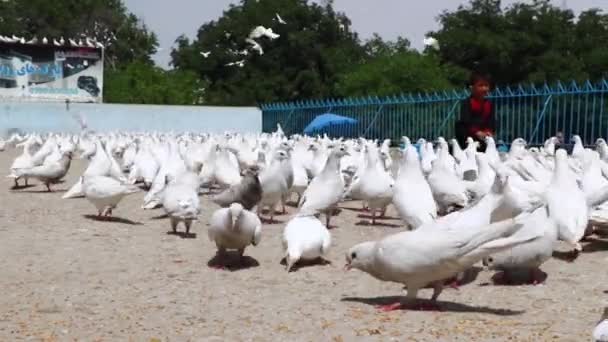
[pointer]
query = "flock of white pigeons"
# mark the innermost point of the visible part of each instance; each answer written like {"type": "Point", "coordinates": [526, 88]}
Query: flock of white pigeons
{"type": "Point", "coordinates": [506, 210]}
{"type": "Point", "coordinates": [87, 42]}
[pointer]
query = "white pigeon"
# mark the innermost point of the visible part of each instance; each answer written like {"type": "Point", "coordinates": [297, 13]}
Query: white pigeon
{"type": "Point", "coordinates": [531, 255]}
{"type": "Point", "coordinates": [279, 19]}
{"type": "Point", "coordinates": [427, 156]}
{"type": "Point", "coordinates": [600, 332]}
{"type": "Point", "coordinates": [375, 185]}
{"type": "Point", "coordinates": [431, 42]}
{"type": "Point", "coordinates": [234, 228]}
{"type": "Point", "coordinates": [49, 172]}
{"type": "Point", "coordinates": [326, 190]}
{"type": "Point", "coordinates": [457, 151]}
{"type": "Point", "coordinates": [485, 178]}
{"type": "Point", "coordinates": [181, 203]}
{"type": "Point", "coordinates": [567, 203]}
{"type": "Point", "coordinates": [25, 160]}
{"type": "Point", "coordinates": [254, 45]}
{"type": "Point", "coordinates": [578, 150]}
{"type": "Point", "coordinates": [412, 195]}
{"type": "Point", "coordinates": [205, 54]}
{"type": "Point", "coordinates": [261, 31]}
{"type": "Point", "coordinates": [449, 191]}
{"type": "Point", "coordinates": [274, 184]}
{"type": "Point", "coordinates": [421, 257]}
{"type": "Point", "coordinates": [304, 238]}
{"type": "Point", "coordinates": [105, 193]}
{"type": "Point", "coordinates": [56, 43]}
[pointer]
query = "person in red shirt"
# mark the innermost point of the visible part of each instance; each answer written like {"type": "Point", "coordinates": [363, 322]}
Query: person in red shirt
{"type": "Point", "coordinates": [477, 116]}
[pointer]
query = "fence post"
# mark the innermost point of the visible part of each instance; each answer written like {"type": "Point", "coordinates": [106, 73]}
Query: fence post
{"type": "Point", "coordinates": [373, 120]}
{"type": "Point", "coordinates": [448, 117]}
{"type": "Point", "coordinates": [540, 118]}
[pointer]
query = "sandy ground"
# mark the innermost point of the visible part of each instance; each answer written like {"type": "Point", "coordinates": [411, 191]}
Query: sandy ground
{"type": "Point", "coordinates": [67, 277]}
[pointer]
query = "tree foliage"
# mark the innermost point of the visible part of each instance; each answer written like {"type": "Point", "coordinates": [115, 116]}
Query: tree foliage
{"type": "Point", "coordinates": [392, 68]}
{"type": "Point", "coordinates": [147, 84]}
{"type": "Point", "coordinates": [315, 46]}
{"type": "Point", "coordinates": [534, 42]}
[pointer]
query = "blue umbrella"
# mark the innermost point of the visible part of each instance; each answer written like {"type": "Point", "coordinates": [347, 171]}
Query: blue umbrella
{"type": "Point", "coordinates": [332, 125]}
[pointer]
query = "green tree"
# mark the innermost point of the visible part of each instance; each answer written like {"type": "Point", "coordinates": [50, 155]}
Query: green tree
{"type": "Point", "coordinates": [147, 84]}
{"type": "Point", "coordinates": [592, 43]}
{"type": "Point", "coordinates": [315, 46]}
{"type": "Point", "coordinates": [534, 42]}
{"type": "Point", "coordinates": [393, 73]}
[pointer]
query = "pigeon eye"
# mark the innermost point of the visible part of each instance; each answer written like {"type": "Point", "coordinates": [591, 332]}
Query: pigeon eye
{"type": "Point", "coordinates": [353, 255]}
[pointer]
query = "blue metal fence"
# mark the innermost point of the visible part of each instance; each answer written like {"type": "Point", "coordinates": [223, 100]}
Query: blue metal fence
{"type": "Point", "coordinates": [531, 112]}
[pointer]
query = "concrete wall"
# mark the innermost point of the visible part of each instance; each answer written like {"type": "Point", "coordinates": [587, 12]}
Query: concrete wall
{"type": "Point", "coordinates": [55, 117]}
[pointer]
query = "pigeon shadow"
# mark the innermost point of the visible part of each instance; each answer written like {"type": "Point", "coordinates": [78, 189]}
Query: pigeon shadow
{"type": "Point", "coordinates": [601, 231]}
{"type": "Point", "coordinates": [444, 305]}
{"type": "Point", "coordinates": [564, 256]}
{"type": "Point", "coordinates": [21, 187]}
{"type": "Point", "coordinates": [470, 276]}
{"type": "Point", "coordinates": [269, 221]}
{"type": "Point", "coordinates": [292, 204]}
{"type": "Point", "coordinates": [306, 263]}
{"type": "Point", "coordinates": [358, 210]}
{"type": "Point", "coordinates": [515, 278]}
{"type": "Point", "coordinates": [378, 224]}
{"type": "Point", "coordinates": [595, 245]}
{"type": "Point", "coordinates": [369, 217]}
{"type": "Point", "coordinates": [182, 235]}
{"type": "Point", "coordinates": [112, 219]}
{"type": "Point", "coordinates": [160, 217]}
{"type": "Point", "coordinates": [230, 261]}
{"type": "Point", "coordinates": [40, 191]}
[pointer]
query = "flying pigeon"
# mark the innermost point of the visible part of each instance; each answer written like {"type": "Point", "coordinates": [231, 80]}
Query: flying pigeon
{"type": "Point", "coordinates": [205, 54]}
{"type": "Point", "coordinates": [255, 45]}
{"type": "Point", "coordinates": [432, 42]}
{"type": "Point", "coordinates": [261, 31]}
{"type": "Point", "coordinates": [279, 19]}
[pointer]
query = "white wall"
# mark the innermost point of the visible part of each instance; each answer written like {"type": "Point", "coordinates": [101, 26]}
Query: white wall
{"type": "Point", "coordinates": [54, 117]}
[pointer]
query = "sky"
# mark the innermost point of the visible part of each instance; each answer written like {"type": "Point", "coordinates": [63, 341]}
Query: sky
{"type": "Point", "coordinates": [411, 19]}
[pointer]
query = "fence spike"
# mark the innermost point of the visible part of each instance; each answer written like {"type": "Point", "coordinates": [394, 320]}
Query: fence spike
{"type": "Point", "coordinates": [574, 86]}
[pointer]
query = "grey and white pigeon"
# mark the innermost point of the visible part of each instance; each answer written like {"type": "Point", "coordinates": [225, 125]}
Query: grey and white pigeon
{"type": "Point", "coordinates": [248, 192]}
